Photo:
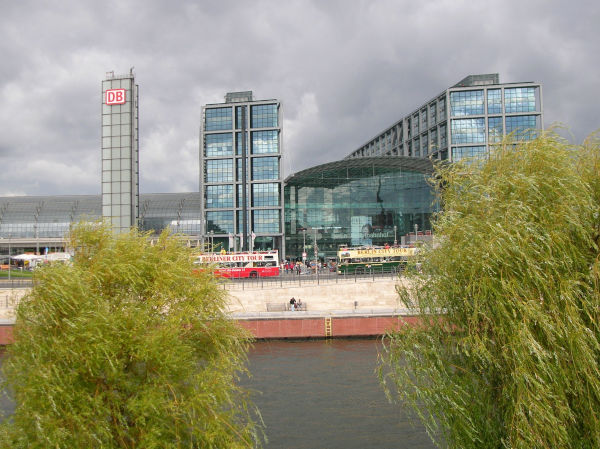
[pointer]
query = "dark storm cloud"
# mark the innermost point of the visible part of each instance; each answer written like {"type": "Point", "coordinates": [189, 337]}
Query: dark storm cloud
{"type": "Point", "coordinates": [344, 70]}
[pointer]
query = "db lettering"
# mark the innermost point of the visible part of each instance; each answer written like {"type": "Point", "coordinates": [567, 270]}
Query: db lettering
{"type": "Point", "coordinates": [115, 96]}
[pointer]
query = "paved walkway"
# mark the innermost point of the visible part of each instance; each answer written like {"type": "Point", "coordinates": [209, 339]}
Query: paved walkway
{"type": "Point", "coordinates": [366, 296]}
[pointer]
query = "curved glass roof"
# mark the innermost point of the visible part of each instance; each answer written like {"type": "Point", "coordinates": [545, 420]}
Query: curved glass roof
{"type": "Point", "coordinates": [345, 170]}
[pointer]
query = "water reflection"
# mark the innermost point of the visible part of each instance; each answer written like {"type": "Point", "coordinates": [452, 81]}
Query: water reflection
{"type": "Point", "coordinates": [325, 394]}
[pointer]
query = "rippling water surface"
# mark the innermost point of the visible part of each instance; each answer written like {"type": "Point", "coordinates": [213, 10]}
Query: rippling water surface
{"type": "Point", "coordinates": [325, 394]}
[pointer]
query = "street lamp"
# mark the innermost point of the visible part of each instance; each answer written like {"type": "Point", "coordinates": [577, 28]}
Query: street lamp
{"type": "Point", "coordinates": [395, 235]}
{"type": "Point", "coordinates": [416, 228]}
{"type": "Point", "coordinates": [212, 241]}
{"type": "Point", "coordinates": [316, 256]}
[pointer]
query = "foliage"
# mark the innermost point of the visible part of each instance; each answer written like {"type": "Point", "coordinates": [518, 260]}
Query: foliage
{"type": "Point", "coordinates": [508, 351]}
{"type": "Point", "coordinates": [126, 348]}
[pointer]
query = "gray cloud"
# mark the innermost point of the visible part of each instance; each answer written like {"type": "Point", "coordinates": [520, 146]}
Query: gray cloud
{"type": "Point", "coordinates": [344, 70]}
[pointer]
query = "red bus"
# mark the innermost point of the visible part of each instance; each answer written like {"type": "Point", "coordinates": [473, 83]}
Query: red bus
{"type": "Point", "coordinates": [243, 265]}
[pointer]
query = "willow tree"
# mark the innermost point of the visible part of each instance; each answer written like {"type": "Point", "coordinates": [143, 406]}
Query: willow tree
{"type": "Point", "coordinates": [508, 351]}
{"type": "Point", "coordinates": [126, 348]}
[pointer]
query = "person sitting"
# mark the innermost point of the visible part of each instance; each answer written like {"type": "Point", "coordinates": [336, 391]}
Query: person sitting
{"type": "Point", "coordinates": [299, 304]}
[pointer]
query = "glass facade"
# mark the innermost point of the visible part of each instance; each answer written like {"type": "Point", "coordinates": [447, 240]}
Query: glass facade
{"type": "Point", "coordinates": [364, 201]}
{"type": "Point", "coordinates": [222, 180]}
{"type": "Point", "coordinates": [475, 112]}
{"type": "Point", "coordinates": [45, 221]}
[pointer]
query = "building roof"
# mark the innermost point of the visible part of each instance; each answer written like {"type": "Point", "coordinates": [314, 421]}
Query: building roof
{"type": "Point", "coordinates": [351, 169]}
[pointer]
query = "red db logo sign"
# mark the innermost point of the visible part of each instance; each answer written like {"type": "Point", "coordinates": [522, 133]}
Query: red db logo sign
{"type": "Point", "coordinates": [115, 96]}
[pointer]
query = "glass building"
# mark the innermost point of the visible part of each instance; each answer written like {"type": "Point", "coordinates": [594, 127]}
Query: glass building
{"type": "Point", "coordinates": [463, 121]}
{"type": "Point", "coordinates": [241, 151]}
{"type": "Point", "coordinates": [120, 149]}
{"type": "Point", "coordinates": [362, 201]}
{"type": "Point", "coordinates": [32, 223]}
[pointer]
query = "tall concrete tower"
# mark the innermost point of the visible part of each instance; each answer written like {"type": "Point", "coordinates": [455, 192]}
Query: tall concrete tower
{"type": "Point", "coordinates": [120, 151]}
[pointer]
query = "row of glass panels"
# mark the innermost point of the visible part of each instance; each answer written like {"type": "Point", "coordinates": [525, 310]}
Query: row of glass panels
{"type": "Point", "coordinates": [222, 196]}
{"type": "Point", "coordinates": [221, 170]}
{"type": "Point", "coordinates": [221, 144]}
{"type": "Point", "coordinates": [221, 118]}
{"type": "Point", "coordinates": [516, 100]}
{"type": "Point", "coordinates": [473, 130]}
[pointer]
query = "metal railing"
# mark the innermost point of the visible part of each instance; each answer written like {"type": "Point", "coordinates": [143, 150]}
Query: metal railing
{"type": "Point", "coordinates": [297, 280]}
{"type": "Point", "coordinates": [15, 283]}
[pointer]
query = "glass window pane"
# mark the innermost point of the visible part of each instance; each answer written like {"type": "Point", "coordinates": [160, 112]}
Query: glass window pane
{"type": "Point", "coordinates": [264, 116]}
{"type": "Point", "coordinates": [218, 119]}
{"type": "Point", "coordinates": [468, 102]}
{"type": "Point", "coordinates": [520, 99]}
{"type": "Point", "coordinates": [468, 131]}
{"type": "Point", "coordinates": [218, 145]}
{"type": "Point", "coordinates": [264, 168]}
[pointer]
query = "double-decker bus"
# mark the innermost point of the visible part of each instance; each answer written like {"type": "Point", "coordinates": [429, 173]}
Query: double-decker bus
{"type": "Point", "coordinates": [242, 265]}
{"type": "Point", "coordinates": [374, 258]}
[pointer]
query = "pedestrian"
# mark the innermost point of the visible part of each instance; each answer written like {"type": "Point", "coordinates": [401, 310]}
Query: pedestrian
{"type": "Point", "coordinates": [292, 304]}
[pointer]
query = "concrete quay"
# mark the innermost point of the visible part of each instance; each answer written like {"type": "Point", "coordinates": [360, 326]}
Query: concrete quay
{"type": "Point", "coordinates": [352, 307]}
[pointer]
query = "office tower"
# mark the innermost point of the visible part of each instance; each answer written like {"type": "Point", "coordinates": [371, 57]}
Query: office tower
{"type": "Point", "coordinates": [463, 121]}
{"type": "Point", "coordinates": [241, 151]}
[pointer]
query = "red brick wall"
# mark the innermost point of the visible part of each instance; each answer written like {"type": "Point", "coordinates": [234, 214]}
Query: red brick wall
{"type": "Point", "coordinates": [6, 334]}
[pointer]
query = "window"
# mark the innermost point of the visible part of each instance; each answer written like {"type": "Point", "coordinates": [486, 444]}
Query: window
{"type": "Point", "coordinates": [220, 196]}
{"type": "Point", "coordinates": [217, 119]}
{"type": "Point", "coordinates": [239, 110]}
{"type": "Point", "coordinates": [220, 222]}
{"type": "Point", "coordinates": [519, 99]}
{"type": "Point", "coordinates": [433, 140]}
{"type": "Point", "coordinates": [218, 145]}
{"type": "Point", "coordinates": [468, 102]}
{"type": "Point", "coordinates": [265, 142]}
{"type": "Point", "coordinates": [264, 168]}
{"type": "Point", "coordinates": [442, 109]}
{"type": "Point", "coordinates": [424, 145]}
{"type": "Point", "coordinates": [265, 194]}
{"type": "Point", "coordinates": [494, 101]}
{"type": "Point", "coordinates": [238, 145]}
{"type": "Point", "coordinates": [240, 199]}
{"type": "Point", "coordinates": [443, 142]}
{"type": "Point", "coordinates": [495, 129]}
{"type": "Point", "coordinates": [524, 126]}
{"type": "Point", "coordinates": [218, 170]}
{"type": "Point", "coordinates": [432, 114]}
{"type": "Point", "coordinates": [264, 116]}
{"type": "Point", "coordinates": [478, 152]}
{"type": "Point", "coordinates": [239, 169]}
{"type": "Point", "coordinates": [266, 221]}
{"type": "Point", "coordinates": [470, 130]}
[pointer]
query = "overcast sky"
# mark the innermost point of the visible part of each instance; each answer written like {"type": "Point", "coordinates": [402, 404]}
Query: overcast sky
{"type": "Point", "coordinates": [343, 69]}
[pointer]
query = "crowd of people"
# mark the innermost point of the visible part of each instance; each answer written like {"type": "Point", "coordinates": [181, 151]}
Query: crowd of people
{"type": "Point", "coordinates": [299, 267]}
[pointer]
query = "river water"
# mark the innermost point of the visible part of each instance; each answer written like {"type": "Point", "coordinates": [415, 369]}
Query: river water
{"type": "Point", "coordinates": [324, 394]}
